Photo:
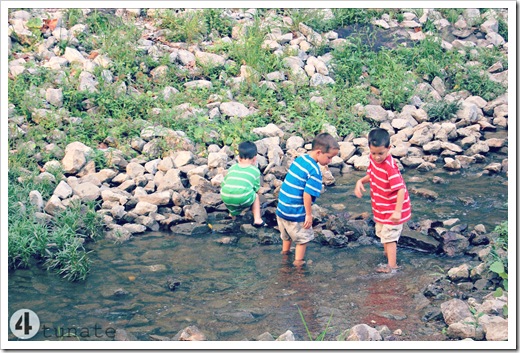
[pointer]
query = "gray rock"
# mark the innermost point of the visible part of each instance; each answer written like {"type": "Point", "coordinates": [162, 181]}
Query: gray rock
{"type": "Point", "coordinates": [286, 336]}
{"type": "Point", "coordinates": [363, 332]}
{"type": "Point", "coordinates": [234, 109]}
{"type": "Point", "coordinates": [36, 199]}
{"type": "Point", "coordinates": [190, 333]}
{"type": "Point", "coordinates": [455, 310]}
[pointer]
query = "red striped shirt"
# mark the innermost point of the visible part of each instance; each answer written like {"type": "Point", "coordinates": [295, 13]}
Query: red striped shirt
{"type": "Point", "coordinates": [385, 181]}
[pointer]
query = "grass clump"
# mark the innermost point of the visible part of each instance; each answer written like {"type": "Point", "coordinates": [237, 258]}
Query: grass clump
{"type": "Point", "coordinates": [478, 83]}
{"type": "Point", "coordinates": [321, 335]}
{"type": "Point", "coordinates": [58, 243]}
{"type": "Point", "coordinates": [442, 110]}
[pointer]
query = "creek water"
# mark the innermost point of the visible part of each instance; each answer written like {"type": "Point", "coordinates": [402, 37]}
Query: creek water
{"type": "Point", "coordinates": [239, 291]}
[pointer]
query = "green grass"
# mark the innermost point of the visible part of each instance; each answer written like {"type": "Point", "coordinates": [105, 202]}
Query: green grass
{"type": "Point", "coordinates": [442, 110]}
{"type": "Point", "coordinates": [321, 335]}
{"type": "Point", "coordinates": [57, 244]}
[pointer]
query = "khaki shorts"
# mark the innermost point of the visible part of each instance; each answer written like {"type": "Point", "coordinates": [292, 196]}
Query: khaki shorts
{"type": "Point", "coordinates": [388, 232]}
{"type": "Point", "coordinates": [294, 231]}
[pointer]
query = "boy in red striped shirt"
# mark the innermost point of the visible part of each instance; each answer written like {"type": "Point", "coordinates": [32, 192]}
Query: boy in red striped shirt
{"type": "Point", "coordinates": [390, 200]}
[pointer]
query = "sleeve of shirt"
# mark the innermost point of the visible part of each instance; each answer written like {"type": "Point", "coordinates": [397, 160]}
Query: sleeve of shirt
{"type": "Point", "coordinates": [314, 184]}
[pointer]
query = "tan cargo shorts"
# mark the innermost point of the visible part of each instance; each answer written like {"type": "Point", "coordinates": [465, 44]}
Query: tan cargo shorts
{"type": "Point", "coordinates": [294, 231]}
{"type": "Point", "coordinates": [388, 232]}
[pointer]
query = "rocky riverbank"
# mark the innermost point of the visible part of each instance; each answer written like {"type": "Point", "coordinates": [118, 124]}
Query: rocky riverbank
{"type": "Point", "coordinates": [179, 190]}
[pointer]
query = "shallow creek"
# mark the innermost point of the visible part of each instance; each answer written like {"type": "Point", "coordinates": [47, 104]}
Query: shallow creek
{"type": "Point", "coordinates": [237, 292]}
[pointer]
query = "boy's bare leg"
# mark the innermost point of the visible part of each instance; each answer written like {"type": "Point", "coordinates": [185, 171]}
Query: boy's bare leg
{"type": "Point", "coordinates": [391, 253]}
{"type": "Point", "coordinates": [286, 247]}
{"type": "Point", "coordinates": [299, 254]}
{"type": "Point", "coordinates": [256, 211]}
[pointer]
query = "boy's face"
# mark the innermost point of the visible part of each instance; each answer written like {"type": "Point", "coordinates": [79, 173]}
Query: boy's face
{"type": "Point", "coordinates": [326, 158]}
{"type": "Point", "coordinates": [379, 154]}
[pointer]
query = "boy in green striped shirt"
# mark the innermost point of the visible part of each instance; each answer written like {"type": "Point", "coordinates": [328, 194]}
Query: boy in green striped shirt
{"type": "Point", "coordinates": [240, 186]}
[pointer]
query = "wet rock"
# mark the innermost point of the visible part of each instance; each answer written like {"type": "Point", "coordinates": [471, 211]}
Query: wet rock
{"type": "Point", "coordinates": [267, 237]}
{"type": "Point", "coordinates": [190, 229]}
{"type": "Point", "coordinates": [286, 336]}
{"type": "Point", "coordinates": [426, 193]}
{"type": "Point", "coordinates": [227, 240]}
{"type": "Point", "coordinates": [196, 213]}
{"type": "Point", "coordinates": [459, 273]}
{"type": "Point", "coordinates": [158, 338]}
{"type": "Point", "coordinates": [123, 335]}
{"type": "Point", "coordinates": [266, 336]}
{"type": "Point", "coordinates": [455, 310]}
{"type": "Point", "coordinates": [465, 329]}
{"type": "Point", "coordinates": [384, 331]}
{"type": "Point", "coordinates": [393, 315]}
{"type": "Point", "coordinates": [190, 333]}
{"type": "Point", "coordinates": [453, 243]}
{"type": "Point", "coordinates": [328, 237]}
{"type": "Point", "coordinates": [432, 313]}
{"type": "Point", "coordinates": [419, 241]}
{"type": "Point", "coordinates": [495, 328]}
{"type": "Point", "coordinates": [459, 228]}
{"type": "Point", "coordinates": [172, 283]}
{"type": "Point", "coordinates": [363, 332]}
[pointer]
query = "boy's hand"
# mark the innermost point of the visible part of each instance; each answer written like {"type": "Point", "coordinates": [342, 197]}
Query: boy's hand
{"type": "Point", "coordinates": [308, 222]}
{"type": "Point", "coordinates": [395, 217]}
{"type": "Point", "coordinates": [359, 189]}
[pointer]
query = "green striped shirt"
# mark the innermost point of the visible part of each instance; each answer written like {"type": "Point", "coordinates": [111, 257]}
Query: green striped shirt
{"type": "Point", "coordinates": [239, 188]}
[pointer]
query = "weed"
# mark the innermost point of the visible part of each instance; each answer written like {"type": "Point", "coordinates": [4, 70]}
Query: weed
{"type": "Point", "coordinates": [248, 51]}
{"type": "Point", "coordinates": [503, 28]}
{"type": "Point", "coordinates": [498, 257]}
{"type": "Point", "coordinates": [451, 14]}
{"type": "Point", "coordinates": [442, 110]}
{"type": "Point", "coordinates": [188, 26]}
{"type": "Point", "coordinates": [218, 22]}
{"type": "Point", "coordinates": [30, 238]}
{"type": "Point", "coordinates": [72, 17]}
{"type": "Point", "coordinates": [71, 261]}
{"type": "Point", "coordinates": [321, 336]}
{"type": "Point", "coordinates": [478, 83]}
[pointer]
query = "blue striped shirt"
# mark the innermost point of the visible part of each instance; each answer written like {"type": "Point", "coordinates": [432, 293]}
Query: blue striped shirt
{"type": "Point", "coordinates": [304, 175]}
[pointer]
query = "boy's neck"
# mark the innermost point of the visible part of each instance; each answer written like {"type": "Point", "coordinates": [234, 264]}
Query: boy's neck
{"type": "Point", "coordinates": [245, 162]}
{"type": "Point", "coordinates": [314, 155]}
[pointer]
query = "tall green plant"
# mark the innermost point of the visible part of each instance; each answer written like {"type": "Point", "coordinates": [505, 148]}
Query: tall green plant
{"type": "Point", "coordinates": [319, 337]}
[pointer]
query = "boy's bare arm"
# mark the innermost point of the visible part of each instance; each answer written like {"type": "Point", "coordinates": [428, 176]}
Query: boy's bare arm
{"type": "Point", "coordinates": [359, 188]}
{"type": "Point", "coordinates": [307, 203]}
{"type": "Point", "coordinates": [396, 216]}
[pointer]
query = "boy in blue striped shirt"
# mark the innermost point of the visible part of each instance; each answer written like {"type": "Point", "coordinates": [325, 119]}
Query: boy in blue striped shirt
{"type": "Point", "coordinates": [301, 187]}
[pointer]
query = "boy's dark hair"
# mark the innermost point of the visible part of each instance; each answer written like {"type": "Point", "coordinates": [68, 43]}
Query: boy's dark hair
{"type": "Point", "coordinates": [379, 137]}
{"type": "Point", "coordinates": [325, 142]}
{"type": "Point", "coordinates": [247, 150]}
